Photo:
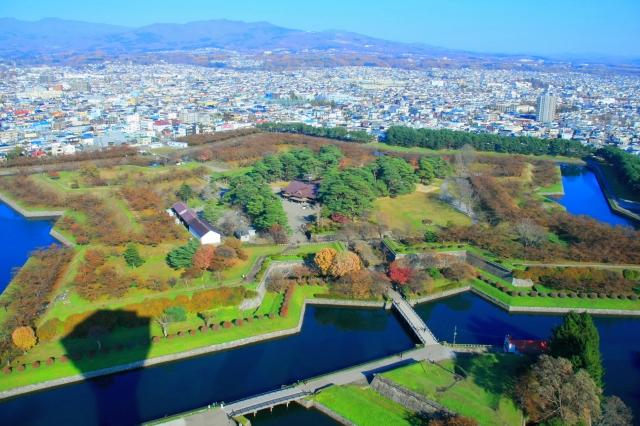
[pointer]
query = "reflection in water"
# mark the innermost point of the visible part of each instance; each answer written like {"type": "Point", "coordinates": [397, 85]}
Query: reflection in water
{"type": "Point", "coordinates": [292, 415]}
{"type": "Point", "coordinates": [584, 196]}
{"type": "Point", "coordinates": [151, 393]}
{"type": "Point", "coordinates": [485, 323]}
{"type": "Point", "coordinates": [357, 319]}
{"type": "Point", "coordinates": [19, 236]}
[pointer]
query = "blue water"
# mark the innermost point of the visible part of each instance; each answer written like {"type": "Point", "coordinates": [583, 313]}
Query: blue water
{"type": "Point", "coordinates": [331, 339]}
{"type": "Point", "coordinates": [478, 321]}
{"type": "Point", "coordinates": [294, 414]}
{"type": "Point", "coordinates": [19, 237]}
{"type": "Point", "coordinates": [584, 196]}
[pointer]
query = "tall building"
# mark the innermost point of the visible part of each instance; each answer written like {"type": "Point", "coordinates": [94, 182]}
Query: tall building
{"type": "Point", "coordinates": [546, 108]}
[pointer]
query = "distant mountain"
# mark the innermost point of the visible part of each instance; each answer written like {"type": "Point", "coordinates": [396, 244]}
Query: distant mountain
{"type": "Point", "coordinates": [52, 36]}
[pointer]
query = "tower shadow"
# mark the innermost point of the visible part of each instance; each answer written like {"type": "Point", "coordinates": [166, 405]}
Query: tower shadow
{"type": "Point", "coordinates": [105, 339]}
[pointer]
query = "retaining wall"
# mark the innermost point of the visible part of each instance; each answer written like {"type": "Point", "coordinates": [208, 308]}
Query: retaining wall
{"type": "Point", "coordinates": [405, 397]}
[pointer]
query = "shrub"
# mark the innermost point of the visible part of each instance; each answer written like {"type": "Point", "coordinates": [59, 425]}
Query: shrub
{"type": "Point", "coordinates": [35, 364]}
{"type": "Point", "coordinates": [622, 296]}
{"type": "Point", "coordinates": [272, 315]}
{"type": "Point", "coordinates": [562, 295]}
{"type": "Point", "coordinates": [553, 294]}
{"type": "Point", "coordinates": [602, 295]}
{"type": "Point", "coordinates": [192, 332]}
{"type": "Point", "coordinates": [170, 336]}
{"type": "Point", "coordinates": [215, 327]}
{"type": "Point", "coordinates": [180, 333]}
{"type": "Point", "coordinates": [522, 293]}
{"type": "Point", "coordinates": [593, 295]}
{"type": "Point", "coordinates": [7, 370]}
{"type": "Point", "coordinates": [155, 339]}
{"type": "Point", "coordinates": [63, 358]}
{"type": "Point", "coordinates": [571, 295]}
{"type": "Point", "coordinates": [51, 360]}
{"type": "Point", "coordinates": [583, 295]}
{"type": "Point", "coordinates": [249, 319]}
{"type": "Point", "coordinates": [21, 367]}
{"type": "Point", "coordinates": [239, 322]}
{"type": "Point", "coordinates": [227, 324]}
{"type": "Point", "coordinates": [633, 297]}
{"type": "Point", "coordinates": [533, 293]}
{"type": "Point", "coordinates": [203, 329]}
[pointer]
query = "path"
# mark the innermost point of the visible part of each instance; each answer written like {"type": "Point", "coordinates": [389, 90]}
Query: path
{"type": "Point", "coordinates": [360, 372]}
{"type": "Point", "coordinates": [580, 265]}
{"type": "Point", "coordinates": [412, 318]}
{"type": "Point", "coordinates": [256, 301]}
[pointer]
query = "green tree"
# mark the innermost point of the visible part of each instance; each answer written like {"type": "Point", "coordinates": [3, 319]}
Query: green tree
{"type": "Point", "coordinates": [397, 175]}
{"type": "Point", "coordinates": [132, 256]}
{"type": "Point", "coordinates": [182, 257]}
{"type": "Point", "coordinates": [425, 171]}
{"type": "Point", "coordinates": [176, 313]}
{"type": "Point", "coordinates": [213, 211]}
{"type": "Point", "coordinates": [577, 339]}
{"type": "Point", "coordinates": [185, 192]}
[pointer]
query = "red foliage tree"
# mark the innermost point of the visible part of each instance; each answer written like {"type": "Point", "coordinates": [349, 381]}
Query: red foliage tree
{"type": "Point", "coordinates": [399, 274]}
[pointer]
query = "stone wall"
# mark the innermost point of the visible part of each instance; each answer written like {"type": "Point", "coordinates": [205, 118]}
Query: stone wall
{"type": "Point", "coordinates": [407, 398]}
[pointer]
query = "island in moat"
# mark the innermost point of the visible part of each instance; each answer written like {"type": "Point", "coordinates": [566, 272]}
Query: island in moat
{"type": "Point", "coordinates": [174, 254]}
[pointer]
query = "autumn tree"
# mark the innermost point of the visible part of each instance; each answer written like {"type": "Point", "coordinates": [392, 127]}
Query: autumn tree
{"type": "Point", "coordinates": [530, 233]}
{"type": "Point", "coordinates": [615, 413]}
{"type": "Point", "coordinates": [399, 274]}
{"type": "Point", "coordinates": [552, 390]}
{"type": "Point", "coordinates": [207, 318]}
{"type": "Point", "coordinates": [24, 338]}
{"type": "Point", "coordinates": [163, 322]}
{"type": "Point", "coordinates": [324, 258]}
{"type": "Point", "coordinates": [202, 257]}
{"type": "Point", "coordinates": [343, 263]}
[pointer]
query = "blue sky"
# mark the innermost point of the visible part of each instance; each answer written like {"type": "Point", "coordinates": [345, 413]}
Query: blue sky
{"type": "Point", "coordinates": [610, 27]}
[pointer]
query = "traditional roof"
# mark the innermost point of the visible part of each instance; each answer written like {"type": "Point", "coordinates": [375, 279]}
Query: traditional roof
{"type": "Point", "coordinates": [300, 189]}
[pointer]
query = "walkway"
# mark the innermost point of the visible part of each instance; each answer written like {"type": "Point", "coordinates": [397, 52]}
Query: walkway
{"type": "Point", "coordinates": [353, 374]}
{"type": "Point", "coordinates": [412, 318]}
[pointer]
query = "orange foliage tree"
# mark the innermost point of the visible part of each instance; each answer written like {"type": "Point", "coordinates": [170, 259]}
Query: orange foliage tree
{"type": "Point", "coordinates": [202, 257]}
{"type": "Point", "coordinates": [24, 338]}
{"type": "Point", "coordinates": [344, 263]}
{"type": "Point", "coordinates": [324, 258]}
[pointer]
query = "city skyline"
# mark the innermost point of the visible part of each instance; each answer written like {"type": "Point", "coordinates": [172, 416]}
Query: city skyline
{"type": "Point", "coordinates": [594, 30]}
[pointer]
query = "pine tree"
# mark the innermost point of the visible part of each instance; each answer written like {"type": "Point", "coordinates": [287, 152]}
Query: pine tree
{"type": "Point", "coordinates": [577, 339]}
{"type": "Point", "coordinates": [182, 257]}
{"type": "Point", "coordinates": [132, 256]}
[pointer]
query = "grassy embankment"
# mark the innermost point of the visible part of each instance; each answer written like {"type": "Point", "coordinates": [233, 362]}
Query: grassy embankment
{"type": "Point", "coordinates": [363, 406]}
{"type": "Point", "coordinates": [473, 386]}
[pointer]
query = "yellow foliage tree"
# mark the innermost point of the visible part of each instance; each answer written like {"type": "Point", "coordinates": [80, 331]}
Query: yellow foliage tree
{"type": "Point", "coordinates": [345, 263]}
{"type": "Point", "coordinates": [24, 338]}
{"type": "Point", "coordinates": [324, 258]}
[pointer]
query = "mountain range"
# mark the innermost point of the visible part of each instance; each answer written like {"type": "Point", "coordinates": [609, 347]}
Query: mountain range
{"type": "Point", "coordinates": [51, 35]}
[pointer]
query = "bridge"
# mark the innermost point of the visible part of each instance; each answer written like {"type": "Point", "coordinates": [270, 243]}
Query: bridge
{"type": "Point", "coordinates": [412, 319]}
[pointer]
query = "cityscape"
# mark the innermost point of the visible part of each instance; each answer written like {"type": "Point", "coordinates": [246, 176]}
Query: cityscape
{"type": "Point", "coordinates": [416, 213]}
{"type": "Point", "coordinates": [58, 110]}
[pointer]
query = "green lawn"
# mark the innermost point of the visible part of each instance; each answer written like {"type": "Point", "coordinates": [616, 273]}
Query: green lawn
{"type": "Point", "coordinates": [556, 302]}
{"type": "Point", "coordinates": [163, 347]}
{"type": "Point", "coordinates": [363, 406]}
{"type": "Point", "coordinates": [555, 188]}
{"type": "Point", "coordinates": [482, 395]}
{"type": "Point", "coordinates": [406, 212]}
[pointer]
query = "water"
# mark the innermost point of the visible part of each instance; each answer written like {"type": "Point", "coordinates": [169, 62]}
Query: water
{"type": "Point", "coordinates": [331, 339]}
{"type": "Point", "coordinates": [19, 236]}
{"type": "Point", "coordinates": [584, 196]}
{"type": "Point", "coordinates": [292, 415]}
{"type": "Point", "coordinates": [479, 321]}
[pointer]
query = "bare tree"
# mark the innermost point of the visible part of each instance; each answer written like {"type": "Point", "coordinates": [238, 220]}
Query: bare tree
{"type": "Point", "coordinates": [163, 321]}
{"type": "Point", "coordinates": [530, 233]}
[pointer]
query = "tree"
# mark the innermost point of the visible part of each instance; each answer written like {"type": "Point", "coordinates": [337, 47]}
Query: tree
{"type": "Point", "coordinates": [615, 413]}
{"type": "Point", "coordinates": [396, 174]}
{"type": "Point", "coordinates": [182, 257]}
{"type": "Point", "coordinates": [551, 390]}
{"type": "Point", "coordinates": [277, 281]}
{"type": "Point", "coordinates": [577, 339]}
{"type": "Point", "coordinates": [530, 233]}
{"type": "Point", "coordinates": [202, 257]}
{"type": "Point", "coordinates": [213, 211]}
{"type": "Point", "coordinates": [132, 256]}
{"type": "Point", "coordinates": [343, 263]}
{"type": "Point", "coordinates": [24, 338]}
{"type": "Point", "coordinates": [176, 313]}
{"type": "Point", "coordinates": [278, 233]}
{"type": "Point", "coordinates": [399, 274]}
{"type": "Point", "coordinates": [185, 192]}
{"type": "Point", "coordinates": [324, 258]}
{"type": "Point", "coordinates": [207, 317]}
{"type": "Point", "coordinates": [163, 321]}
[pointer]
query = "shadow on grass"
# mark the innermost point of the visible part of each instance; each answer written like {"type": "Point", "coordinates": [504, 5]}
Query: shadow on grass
{"type": "Point", "coordinates": [93, 346]}
{"type": "Point", "coordinates": [496, 373]}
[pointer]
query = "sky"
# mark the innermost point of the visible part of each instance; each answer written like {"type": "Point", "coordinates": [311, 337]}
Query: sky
{"type": "Point", "coordinates": [544, 27]}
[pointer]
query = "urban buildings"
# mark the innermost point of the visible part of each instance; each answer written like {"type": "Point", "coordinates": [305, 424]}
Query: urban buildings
{"type": "Point", "coordinates": [546, 108]}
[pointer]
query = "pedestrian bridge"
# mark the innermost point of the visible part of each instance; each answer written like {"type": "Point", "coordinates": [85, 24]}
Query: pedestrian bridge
{"type": "Point", "coordinates": [412, 319]}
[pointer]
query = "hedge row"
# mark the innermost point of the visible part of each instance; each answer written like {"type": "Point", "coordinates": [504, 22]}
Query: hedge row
{"type": "Point", "coordinates": [77, 356]}
{"type": "Point", "coordinates": [558, 294]}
